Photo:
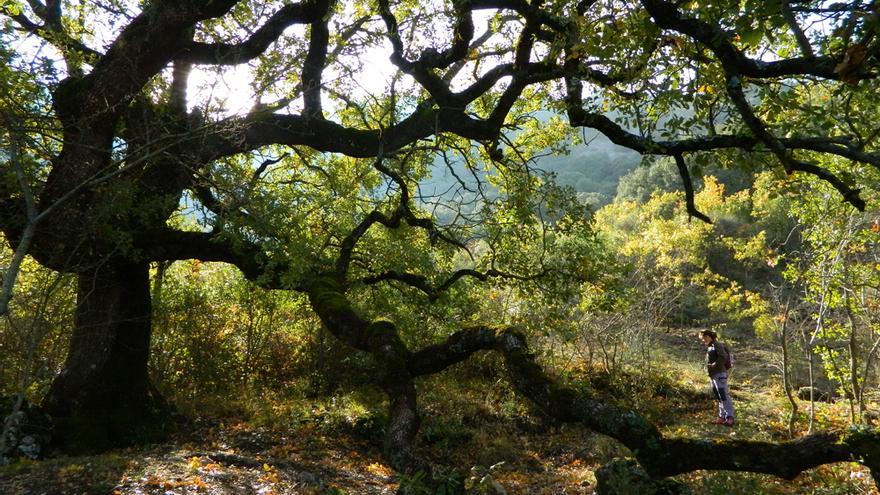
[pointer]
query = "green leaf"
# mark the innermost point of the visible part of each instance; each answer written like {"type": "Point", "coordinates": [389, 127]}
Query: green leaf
{"type": "Point", "coordinates": [752, 36]}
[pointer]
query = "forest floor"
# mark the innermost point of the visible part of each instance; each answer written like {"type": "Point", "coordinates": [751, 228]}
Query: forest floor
{"type": "Point", "coordinates": [331, 445]}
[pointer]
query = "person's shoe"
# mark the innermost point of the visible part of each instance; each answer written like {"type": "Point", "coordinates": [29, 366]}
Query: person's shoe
{"type": "Point", "coordinates": [728, 422]}
{"type": "Point", "coordinates": [720, 421]}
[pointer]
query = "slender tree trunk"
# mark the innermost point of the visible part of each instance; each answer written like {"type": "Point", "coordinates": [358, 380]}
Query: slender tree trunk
{"type": "Point", "coordinates": [103, 397]}
{"type": "Point", "coordinates": [23, 242]}
{"type": "Point", "coordinates": [810, 347]}
{"type": "Point", "coordinates": [810, 365]}
{"type": "Point", "coordinates": [786, 380]}
{"type": "Point", "coordinates": [855, 401]}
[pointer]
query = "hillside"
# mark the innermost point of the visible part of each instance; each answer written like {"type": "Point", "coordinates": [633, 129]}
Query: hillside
{"type": "Point", "coordinates": [593, 169]}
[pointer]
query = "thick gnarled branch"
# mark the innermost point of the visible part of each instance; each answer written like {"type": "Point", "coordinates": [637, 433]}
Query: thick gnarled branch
{"type": "Point", "coordinates": [259, 41]}
{"type": "Point", "coordinates": [380, 338]}
{"type": "Point", "coordinates": [313, 67]}
{"type": "Point", "coordinates": [667, 16]}
{"type": "Point", "coordinates": [660, 456]}
{"type": "Point", "coordinates": [735, 91]}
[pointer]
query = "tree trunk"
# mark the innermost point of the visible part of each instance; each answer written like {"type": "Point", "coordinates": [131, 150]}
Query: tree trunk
{"type": "Point", "coordinates": [812, 378]}
{"type": "Point", "coordinates": [786, 377]}
{"type": "Point", "coordinates": [103, 397]}
{"type": "Point", "coordinates": [856, 405]}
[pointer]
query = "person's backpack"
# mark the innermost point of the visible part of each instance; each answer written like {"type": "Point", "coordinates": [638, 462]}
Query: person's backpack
{"type": "Point", "coordinates": [729, 360]}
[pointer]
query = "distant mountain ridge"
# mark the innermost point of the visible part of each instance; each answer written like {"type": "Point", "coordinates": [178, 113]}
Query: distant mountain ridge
{"type": "Point", "coordinates": [593, 169]}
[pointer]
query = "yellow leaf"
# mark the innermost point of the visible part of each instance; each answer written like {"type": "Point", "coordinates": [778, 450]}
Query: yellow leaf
{"type": "Point", "coordinates": [379, 469]}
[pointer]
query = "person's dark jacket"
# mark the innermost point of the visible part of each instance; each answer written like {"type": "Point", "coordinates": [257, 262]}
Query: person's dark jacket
{"type": "Point", "coordinates": [716, 355]}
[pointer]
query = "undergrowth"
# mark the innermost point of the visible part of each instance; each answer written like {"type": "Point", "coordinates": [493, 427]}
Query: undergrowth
{"type": "Point", "coordinates": [475, 431]}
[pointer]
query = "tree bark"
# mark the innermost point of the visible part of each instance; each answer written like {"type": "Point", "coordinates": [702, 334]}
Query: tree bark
{"type": "Point", "coordinates": [855, 400]}
{"type": "Point", "coordinates": [380, 338]}
{"type": "Point", "coordinates": [103, 397]}
{"type": "Point", "coordinates": [786, 375]}
{"type": "Point", "coordinates": [396, 380]}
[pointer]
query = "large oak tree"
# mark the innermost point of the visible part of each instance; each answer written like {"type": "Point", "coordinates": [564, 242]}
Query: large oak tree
{"type": "Point", "coordinates": [103, 144]}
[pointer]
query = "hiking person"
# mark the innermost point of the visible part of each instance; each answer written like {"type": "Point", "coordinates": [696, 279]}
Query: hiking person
{"type": "Point", "coordinates": [717, 363]}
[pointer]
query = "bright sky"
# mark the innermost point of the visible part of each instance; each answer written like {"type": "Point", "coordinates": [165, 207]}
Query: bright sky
{"type": "Point", "coordinates": [232, 89]}
{"type": "Point", "coordinates": [233, 92]}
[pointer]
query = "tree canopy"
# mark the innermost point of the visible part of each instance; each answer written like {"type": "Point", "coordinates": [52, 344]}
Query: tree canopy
{"type": "Point", "coordinates": [121, 150]}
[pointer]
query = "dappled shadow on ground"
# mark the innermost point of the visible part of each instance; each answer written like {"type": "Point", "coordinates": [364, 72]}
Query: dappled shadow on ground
{"type": "Point", "coordinates": [218, 460]}
{"type": "Point", "coordinates": [240, 459]}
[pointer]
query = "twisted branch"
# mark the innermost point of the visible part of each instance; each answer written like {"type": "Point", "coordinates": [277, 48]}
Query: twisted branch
{"type": "Point", "coordinates": [689, 190]}
{"type": "Point", "coordinates": [423, 284]}
{"type": "Point", "coordinates": [265, 35]}
{"type": "Point", "coordinates": [401, 213]}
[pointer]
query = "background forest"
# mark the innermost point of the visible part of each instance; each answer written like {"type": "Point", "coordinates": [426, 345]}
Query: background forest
{"type": "Point", "coordinates": [438, 247]}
